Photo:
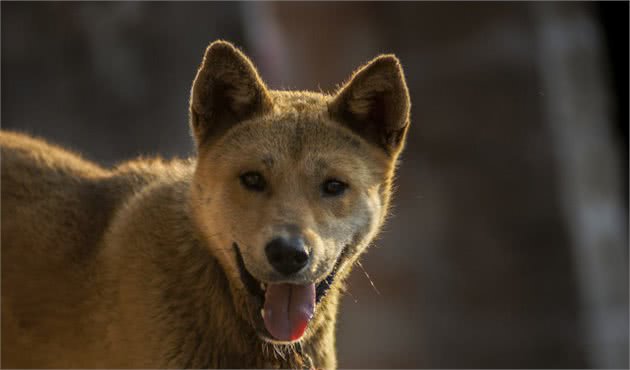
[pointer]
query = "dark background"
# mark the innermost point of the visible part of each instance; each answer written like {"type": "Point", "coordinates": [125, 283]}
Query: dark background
{"type": "Point", "coordinates": [509, 241]}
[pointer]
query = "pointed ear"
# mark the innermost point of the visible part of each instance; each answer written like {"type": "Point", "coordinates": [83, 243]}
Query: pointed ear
{"type": "Point", "coordinates": [375, 103]}
{"type": "Point", "coordinates": [227, 90]}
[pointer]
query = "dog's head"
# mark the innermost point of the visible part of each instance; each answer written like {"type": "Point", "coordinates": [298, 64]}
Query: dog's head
{"type": "Point", "coordinates": [290, 187]}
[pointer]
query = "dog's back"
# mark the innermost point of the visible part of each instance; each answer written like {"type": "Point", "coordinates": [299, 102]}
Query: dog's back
{"type": "Point", "coordinates": [45, 192]}
{"type": "Point", "coordinates": [55, 210]}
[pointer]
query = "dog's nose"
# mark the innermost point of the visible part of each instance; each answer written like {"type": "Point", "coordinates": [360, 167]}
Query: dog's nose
{"type": "Point", "coordinates": [287, 256]}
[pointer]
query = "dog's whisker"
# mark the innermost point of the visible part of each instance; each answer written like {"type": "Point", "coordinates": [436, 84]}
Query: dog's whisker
{"type": "Point", "coordinates": [368, 277]}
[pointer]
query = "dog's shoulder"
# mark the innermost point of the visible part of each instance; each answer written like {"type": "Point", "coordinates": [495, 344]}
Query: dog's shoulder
{"type": "Point", "coordinates": [54, 193]}
{"type": "Point", "coordinates": [24, 155]}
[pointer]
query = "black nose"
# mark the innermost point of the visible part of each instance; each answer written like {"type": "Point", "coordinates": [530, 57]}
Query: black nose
{"type": "Point", "coordinates": [287, 256]}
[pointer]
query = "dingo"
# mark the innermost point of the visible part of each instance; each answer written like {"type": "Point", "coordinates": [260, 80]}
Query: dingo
{"type": "Point", "coordinates": [234, 258]}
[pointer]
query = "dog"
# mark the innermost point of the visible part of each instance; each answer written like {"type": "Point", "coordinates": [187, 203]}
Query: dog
{"type": "Point", "coordinates": [232, 259]}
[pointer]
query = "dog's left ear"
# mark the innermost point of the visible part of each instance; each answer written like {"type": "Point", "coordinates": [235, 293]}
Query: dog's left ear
{"type": "Point", "coordinates": [375, 103]}
{"type": "Point", "coordinates": [227, 90]}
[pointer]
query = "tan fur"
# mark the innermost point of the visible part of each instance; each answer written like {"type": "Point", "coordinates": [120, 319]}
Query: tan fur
{"type": "Point", "coordinates": [134, 266]}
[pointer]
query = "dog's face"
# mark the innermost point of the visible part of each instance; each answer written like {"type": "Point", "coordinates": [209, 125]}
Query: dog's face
{"type": "Point", "coordinates": [290, 187]}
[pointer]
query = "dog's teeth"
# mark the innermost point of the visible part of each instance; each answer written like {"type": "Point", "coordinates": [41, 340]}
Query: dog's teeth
{"type": "Point", "coordinates": [262, 313]}
{"type": "Point", "coordinates": [263, 286]}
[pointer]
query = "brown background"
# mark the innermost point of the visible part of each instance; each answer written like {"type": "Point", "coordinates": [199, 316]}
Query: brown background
{"type": "Point", "coordinates": [483, 263]}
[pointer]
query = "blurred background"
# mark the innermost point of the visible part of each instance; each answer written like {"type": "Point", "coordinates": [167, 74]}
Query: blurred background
{"type": "Point", "coordinates": [509, 242]}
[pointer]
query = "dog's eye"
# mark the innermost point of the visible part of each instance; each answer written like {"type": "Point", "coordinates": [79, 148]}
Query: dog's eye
{"type": "Point", "coordinates": [253, 181]}
{"type": "Point", "coordinates": [333, 187]}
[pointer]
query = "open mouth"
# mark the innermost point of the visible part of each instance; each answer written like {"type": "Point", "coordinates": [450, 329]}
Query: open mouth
{"type": "Point", "coordinates": [286, 309]}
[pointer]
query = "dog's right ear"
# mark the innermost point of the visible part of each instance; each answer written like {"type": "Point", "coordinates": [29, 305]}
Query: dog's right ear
{"type": "Point", "coordinates": [227, 90]}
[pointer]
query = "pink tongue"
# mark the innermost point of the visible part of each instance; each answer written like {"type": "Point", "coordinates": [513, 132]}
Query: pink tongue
{"type": "Point", "coordinates": [288, 309]}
